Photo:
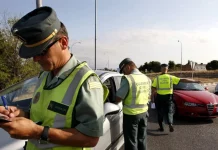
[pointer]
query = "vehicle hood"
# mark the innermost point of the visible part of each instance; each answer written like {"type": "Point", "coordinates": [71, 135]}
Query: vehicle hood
{"type": "Point", "coordinates": [200, 97]}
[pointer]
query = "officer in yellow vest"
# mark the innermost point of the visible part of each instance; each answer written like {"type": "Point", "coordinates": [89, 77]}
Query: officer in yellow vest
{"type": "Point", "coordinates": [162, 86]}
{"type": "Point", "coordinates": [67, 106]}
{"type": "Point", "coordinates": [134, 93]}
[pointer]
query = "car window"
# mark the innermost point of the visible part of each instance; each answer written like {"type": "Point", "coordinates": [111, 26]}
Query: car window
{"type": "Point", "coordinates": [112, 89]}
{"type": "Point", "coordinates": [21, 94]}
{"type": "Point", "coordinates": [107, 83]}
{"type": "Point", "coordinates": [189, 87]}
{"type": "Point", "coordinates": [117, 80]}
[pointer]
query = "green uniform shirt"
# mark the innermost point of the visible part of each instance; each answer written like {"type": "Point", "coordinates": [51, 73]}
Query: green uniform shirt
{"type": "Point", "coordinates": [88, 111]}
{"type": "Point", "coordinates": [124, 86]}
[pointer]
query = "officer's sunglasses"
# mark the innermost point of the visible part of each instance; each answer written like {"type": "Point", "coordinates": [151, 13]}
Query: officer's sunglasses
{"type": "Point", "coordinates": [48, 47]}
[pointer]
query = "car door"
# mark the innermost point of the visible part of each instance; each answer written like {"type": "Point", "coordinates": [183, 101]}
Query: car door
{"type": "Point", "coordinates": [116, 120]}
{"type": "Point", "coordinates": [113, 130]}
{"type": "Point", "coordinates": [18, 95]}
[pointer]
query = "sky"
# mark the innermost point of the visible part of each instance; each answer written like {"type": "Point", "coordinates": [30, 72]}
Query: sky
{"type": "Point", "coordinates": [142, 30]}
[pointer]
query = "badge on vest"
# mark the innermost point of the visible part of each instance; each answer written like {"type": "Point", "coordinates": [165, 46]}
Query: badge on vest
{"type": "Point", "coordinates": [36, 98]}
{"type": "Point", "coordinates": [58, 107]}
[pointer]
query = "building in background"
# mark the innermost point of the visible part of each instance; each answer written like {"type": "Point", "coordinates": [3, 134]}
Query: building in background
{"type": "Point", "coordinates": [198, 67]}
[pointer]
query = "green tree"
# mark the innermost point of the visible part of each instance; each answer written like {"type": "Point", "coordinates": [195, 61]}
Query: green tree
{"type": "Point", "coordinates": [141, 68]}
{"type": "Point", "coordinates": [213, 65]}
{"type": "Point", "coordinates": [13, 68]}
{"type": "Point", "coordinates": [178, 67]}
{"type": "Point", "coordinates": [144, 67]}
{"type": "Point", "coordinates": [154, 66]}
{"type": "Point", "coordinates": [171, 65]}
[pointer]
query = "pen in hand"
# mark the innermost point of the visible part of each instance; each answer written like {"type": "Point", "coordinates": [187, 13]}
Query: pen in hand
{"type": "Point", "coordinates": [4, 102]}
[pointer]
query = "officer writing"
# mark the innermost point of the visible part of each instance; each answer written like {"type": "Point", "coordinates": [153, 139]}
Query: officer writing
{"type": "Point", "coordinates": [68, 109]}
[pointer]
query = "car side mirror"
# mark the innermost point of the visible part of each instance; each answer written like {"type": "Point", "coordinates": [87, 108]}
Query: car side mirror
{"type": "Point", "coordinates": [110, 109]}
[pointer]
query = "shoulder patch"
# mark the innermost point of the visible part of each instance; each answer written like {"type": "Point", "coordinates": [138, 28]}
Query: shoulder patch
{"type": "Point", "coordinates": [95, 85]}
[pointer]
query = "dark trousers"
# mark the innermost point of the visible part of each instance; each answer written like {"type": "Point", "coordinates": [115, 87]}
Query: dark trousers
{"type": "Point", "coordinates": [164, 105]}
{"type": "Point", "coordinates": [135, 131]}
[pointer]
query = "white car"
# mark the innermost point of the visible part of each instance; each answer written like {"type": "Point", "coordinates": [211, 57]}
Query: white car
{"type": "Point", "coordinates": [20, 95]}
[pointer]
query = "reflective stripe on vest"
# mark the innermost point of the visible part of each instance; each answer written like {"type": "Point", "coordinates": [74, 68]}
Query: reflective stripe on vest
{"type": "Point", "coordinates": [171, 85]}
{"type": "Point", "coordinates": [79, 75]}
{"type": "Point", "coordinates": [133, 104]}
{"type": "Point", "coordinates": [137, 98]}
{"type": "Point", "coordinates": [60, 119]}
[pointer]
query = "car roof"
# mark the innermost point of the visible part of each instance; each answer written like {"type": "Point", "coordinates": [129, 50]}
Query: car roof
{"type": "Point", "coordinates": [101, 73]}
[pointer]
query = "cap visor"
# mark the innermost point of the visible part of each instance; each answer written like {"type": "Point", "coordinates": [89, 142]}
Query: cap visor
{"type": "Point", "coordinates": [28, 52]}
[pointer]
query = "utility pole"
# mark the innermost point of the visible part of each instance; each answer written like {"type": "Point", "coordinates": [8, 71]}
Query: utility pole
{"type": "Point", "coordinates": [181, 56]}
{"type": "Point", "coordinates": [71, 48]}
{"type": "Point", "coordinates": [95, 33]}
{"type": "Point", "coordinates": [38, 3]}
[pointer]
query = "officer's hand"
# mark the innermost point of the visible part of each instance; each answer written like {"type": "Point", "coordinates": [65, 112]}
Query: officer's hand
{"type": "Point", "coordinates": [3, 110]}
{"type": "Point", "coordinates": [11, 112]}
{"type": "Point", "coordinates": [22, 128]}
{"type": "Point", "coordinates": [14, 112]}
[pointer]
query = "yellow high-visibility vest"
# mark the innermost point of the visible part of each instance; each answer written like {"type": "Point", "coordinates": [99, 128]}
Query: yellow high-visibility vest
{"type": "Point", "coordinates": [164, 84]}
{"type": "Point", "coordinates": [65, 95]}
{"type": "Point", "coordinates": [138, 95]}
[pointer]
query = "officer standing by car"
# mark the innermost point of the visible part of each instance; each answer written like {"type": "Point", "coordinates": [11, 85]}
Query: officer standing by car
{"type": "Point", "coordinates": [162, 89]}
{"type": "Point", "coordinates": [134, 93]}
{"type": "Point", "coordinates": [67, 106]}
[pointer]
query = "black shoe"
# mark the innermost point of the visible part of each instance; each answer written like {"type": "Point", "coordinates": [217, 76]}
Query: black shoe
{"type": "Point", "coordinates": [161, 129]}
{"type": "Point", "coordinates": [171, 128]}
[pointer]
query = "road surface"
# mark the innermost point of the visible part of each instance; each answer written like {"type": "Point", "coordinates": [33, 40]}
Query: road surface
{"type": "Point", "coordinates": [189, 134]}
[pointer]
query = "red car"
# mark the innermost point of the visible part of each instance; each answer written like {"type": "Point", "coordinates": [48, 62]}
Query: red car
{"type": "Point", "coordinates": [192, 99]}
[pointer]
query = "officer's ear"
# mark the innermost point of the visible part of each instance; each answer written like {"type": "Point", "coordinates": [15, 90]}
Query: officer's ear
{"type": "Point", "coordinates": [64, 42]}
{"type": "Point", "coordinates": [128, 67]}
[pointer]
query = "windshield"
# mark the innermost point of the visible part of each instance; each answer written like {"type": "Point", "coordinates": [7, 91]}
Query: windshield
{"type": "Point", "coordinates": [20, 94]}
{"type": "Point", "coordinates": [189, 87]}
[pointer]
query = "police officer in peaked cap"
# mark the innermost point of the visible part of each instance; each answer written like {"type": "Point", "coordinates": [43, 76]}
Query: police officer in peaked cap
{"type": "Point", "coordinates": [67, 106]}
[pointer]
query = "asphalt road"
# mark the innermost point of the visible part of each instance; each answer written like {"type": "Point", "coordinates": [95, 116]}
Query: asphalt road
{"type": "Point", "coordinates": [189, 134]}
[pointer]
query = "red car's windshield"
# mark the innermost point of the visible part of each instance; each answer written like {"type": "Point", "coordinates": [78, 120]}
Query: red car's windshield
{"type": "Point", "coordinates": [189, 87]}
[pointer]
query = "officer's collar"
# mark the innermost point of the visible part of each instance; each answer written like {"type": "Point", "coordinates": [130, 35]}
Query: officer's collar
{"type": "Point", "coordinates": [163, 73]}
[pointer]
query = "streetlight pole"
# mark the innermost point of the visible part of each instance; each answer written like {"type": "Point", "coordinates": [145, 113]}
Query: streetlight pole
{"type": "Point", "coordinates": [73, 45]}
{"type": "Point", "coordinates": [95, 33]}
{"type": "Point", "coordinates": [38, 3]}
{"type": "Point", "coordinates": [108, 61]}
{"type": "Point", "coordinates": [181, 55]}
